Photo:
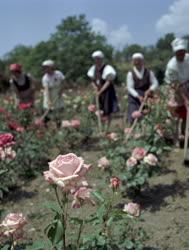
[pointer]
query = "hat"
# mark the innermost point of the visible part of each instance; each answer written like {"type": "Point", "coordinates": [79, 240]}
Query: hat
{"type": "Point", "coordinates": [179, 44]}
{"type": "Point", "coordinates": [48, 63]}
{"type": "Point", "coordinates": [97, 53]}
{"type": "Point", "coordinates": [137, 55]}
{"type": "Point", "coordinates": [15, 67]}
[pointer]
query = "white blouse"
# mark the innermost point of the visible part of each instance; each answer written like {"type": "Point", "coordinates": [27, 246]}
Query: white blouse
{"type": "Point", "coordinates": [108, 73]}
{"type": "Point", "coordinates": [131, 84]}
{"type": "Point", "coordinates": [177, 71]}
{"type": "Point", "coordinates": [54, 82]}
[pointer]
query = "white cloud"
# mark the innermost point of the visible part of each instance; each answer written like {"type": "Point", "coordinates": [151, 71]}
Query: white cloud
{"type": "Point", "coordinates": [176, 20]}
{"type": "Point", "coordinates": [117, 37]}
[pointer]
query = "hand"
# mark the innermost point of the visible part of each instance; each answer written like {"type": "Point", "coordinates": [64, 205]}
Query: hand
{"type": "Point", "coordinates": [148, 92]}
{"type": "Point", "coordinates": [141, 98]}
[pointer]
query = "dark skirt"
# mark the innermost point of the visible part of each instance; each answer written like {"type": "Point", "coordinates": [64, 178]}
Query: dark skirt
{"type": "Point", "coordinates": [133, 105]}
{"type": "Point", "coordinates": [108, 101]}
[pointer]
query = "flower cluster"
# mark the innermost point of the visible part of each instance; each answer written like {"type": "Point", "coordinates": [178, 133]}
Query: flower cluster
{"type": "Point", "coordinates": [12, 225]}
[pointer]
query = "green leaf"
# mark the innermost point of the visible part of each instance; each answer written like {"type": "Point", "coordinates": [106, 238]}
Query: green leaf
{"type": "Point", "coordinates": [6, 247]}
{"type": "Point", "coordinates": [55, 232]}
{"type": "Point", "coordinates": [129, 244]}
{"type": "Point", "coordinates": [98, 196]}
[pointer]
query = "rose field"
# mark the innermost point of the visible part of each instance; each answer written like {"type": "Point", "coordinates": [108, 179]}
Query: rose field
{"type": "Point", "coordinates": [74, 187]}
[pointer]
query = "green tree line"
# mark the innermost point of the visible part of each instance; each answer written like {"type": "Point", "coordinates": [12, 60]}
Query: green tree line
{"type": "Point", "coordinates": [71, 46]}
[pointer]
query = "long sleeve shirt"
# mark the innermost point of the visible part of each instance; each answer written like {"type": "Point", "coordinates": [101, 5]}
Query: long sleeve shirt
{"type": "Point", "coordinates": [130, 81]}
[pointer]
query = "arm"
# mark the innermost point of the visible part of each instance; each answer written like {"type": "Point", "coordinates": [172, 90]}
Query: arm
{"type": "Point", "coordinates": [130, 87]}
{"type": "Point", "coordinates": [104, 87]}
{"type": "Point", "coordinates": [154, 84]}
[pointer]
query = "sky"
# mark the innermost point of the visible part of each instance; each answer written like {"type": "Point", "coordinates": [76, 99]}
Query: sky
{"type": "Point", "coordinates": [123, 22]}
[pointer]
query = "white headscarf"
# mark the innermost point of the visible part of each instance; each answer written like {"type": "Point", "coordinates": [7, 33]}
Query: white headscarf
{"type": "Point", "coordinates": [179, 44]}
{"type": "Point", "coordinates": [97, 53]}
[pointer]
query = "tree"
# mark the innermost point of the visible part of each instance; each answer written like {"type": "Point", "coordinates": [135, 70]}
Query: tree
{"type": "Point", "coordinates": [165, 42]}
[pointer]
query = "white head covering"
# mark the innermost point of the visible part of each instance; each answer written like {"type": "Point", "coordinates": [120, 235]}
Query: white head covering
{"type": "Point", "coordinates": [97, 53]}
{"type": "Point", "coordinates": [179, 44]}
{"type": "Point", "coordinates": [137, 55]}
{"type": "Point", "coordinates": [48, 63]}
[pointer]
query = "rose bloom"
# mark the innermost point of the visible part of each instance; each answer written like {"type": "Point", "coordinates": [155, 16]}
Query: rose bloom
{"type": "Point", "coordinates": [115, 182]}
{"type": "Point", "coordinates": [39, 122]}
{"type": "Point", "coordinates": [6, 140]}
{"type": "Point", "coordinates": [132, 209]}
{"type": "Point", "coordinates": [131, 162]}
{"type": "Point", "coordinates": [103, 163]}
{"type": "Point", "coordinates": [66, 124]}
{"type": "Point", "coordinates": [139, 153]}
{"type": "Point", "coordinates": [75, 123]}
{"type": "Point", "coordinates": [15, 126]}
{"type": "Point", "coordinates": [112, 136]}
{"type": "Point", "coordinates": [81, 195]}
{"type": "Point", "coordinates": [13, 224]}
{"type": "Point", "coordinates": [151, 159]}
{"type": "Point", "coordinates": [91, 108]}
{"type": "Point", "coordinates": [136, 114]}
{"type": "Point", "coordinates": [66, 170]}
{"type": "Point", "coordinates": [24, 106]}
{"type": "Point", "coordinates": [127, 130]}
{"type": "Point", "coordinates": [99, 112]}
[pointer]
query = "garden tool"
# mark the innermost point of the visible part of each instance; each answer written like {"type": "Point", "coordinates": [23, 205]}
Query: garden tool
{"type": "Point", "coordinates": [98, 116]}
{"type": "Point", "coordinates": [186, 161]}
{"type": "Point", "coordinates": [136, 119]}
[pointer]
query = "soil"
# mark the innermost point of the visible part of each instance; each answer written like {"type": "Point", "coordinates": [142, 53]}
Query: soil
{"type": "Point", "coordinates": [164, 204]}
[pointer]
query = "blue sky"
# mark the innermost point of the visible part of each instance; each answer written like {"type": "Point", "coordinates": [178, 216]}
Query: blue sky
{"type": "Point", "coordinates": [123, 22]}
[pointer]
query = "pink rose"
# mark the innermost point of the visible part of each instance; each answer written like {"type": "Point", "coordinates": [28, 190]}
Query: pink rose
{"type": "Point", "coordinates": [65, 170]}
{"type": "Point", "coordinates": [112, 136]}
{"type": "Point", "coordinates": [15, 126]}
{"type": "Point", "coordinates": [66, 124]}
{"type": "Point", "coordinates": [13, 224]}
{"type": "Point", "coordinates": [75, 123]}
{"type": "Point", "coordinates": [151, 160]}
{"type": "Point", "coordinates": [139, 153]}
{"type": "Point", "coordinates": [6, 140]}
{"type": "Point", "coordinates": [115, 182]}
{"type": "Point", "coordinates": [103, 163]}
{"type": "Point", "coordinates": [39, 122]}
{"type": "Point", "coordinates": [82, 194]}
{"type": "Point", "coordinates": [91, 108]}
{"type": "Point", "coordinates": [132, 209]}
{"type": "Point", "coordinates": [131, 162]}
{"type": "Point", "coordinates": [136, 114]}
{"type": "Point", "coordinates": [127, 130]}
{"type": "Point", "coordinates": [24, 106]}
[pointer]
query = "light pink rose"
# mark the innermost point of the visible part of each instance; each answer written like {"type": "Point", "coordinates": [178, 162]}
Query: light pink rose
{"type": "Point", "coordinates": [151, 159]}
{"type": "Point", "coordinates": [127, 130]}
{"type": "Point", "coordinates": [99, 113]}
{"type": "Point", "coordinates": [82, 194]}
{"type": "Point", "coordinates": [115, 182]}
{"type": "Point", "coordinates": [66, 124]}
{"type": "Point", "coordinates": [103, 163]}
{"type": "Point", "coordinates": [139, 153]}
{"type": "Point", "coordinates": [13, 224]}
{"type": "Point", "coordinates": [136, 114]}
{"type": "Point", "coordinates": [91, 108]}
{"type": "Point", "coordinates": [7, 153]}
{"type": "Point", "coordinates": [132, 209]}
{"type": "Point", "coordinates": [66, 170]}
{"type": "Point", "coordinates": [112, 136]}
{"type": "Point", "coordinates": [75, 123]}
{"type": "Point", "coordinates": [131, 162]}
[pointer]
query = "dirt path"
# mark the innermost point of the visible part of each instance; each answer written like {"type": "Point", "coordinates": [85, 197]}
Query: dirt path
{"type": "Point", "coordinates": [165, 204]}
